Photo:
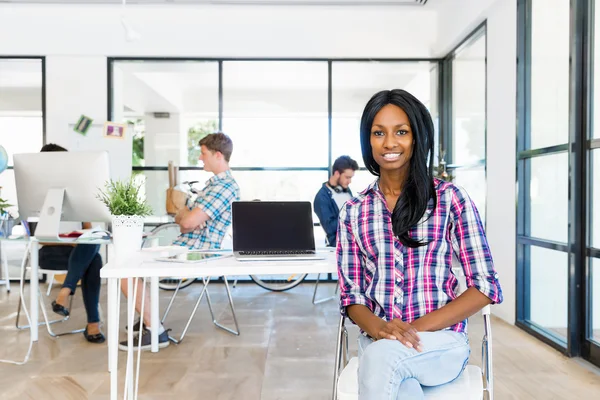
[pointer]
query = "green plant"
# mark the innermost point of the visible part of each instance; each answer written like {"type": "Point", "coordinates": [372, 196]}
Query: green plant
{"type": "Point", "coordinates": [123, 198]}
{"type": "Point", "coordinates": [3, 206]}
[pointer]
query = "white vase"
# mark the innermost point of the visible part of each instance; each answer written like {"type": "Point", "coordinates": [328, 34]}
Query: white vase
{"type": "Point", "coordinates": [127, 233]}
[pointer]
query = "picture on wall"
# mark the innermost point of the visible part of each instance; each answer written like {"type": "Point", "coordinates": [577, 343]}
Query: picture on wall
{"type": "Point", "coordinates": [113, 130]}
{"type": "Point", "coordinates": [82, 125]}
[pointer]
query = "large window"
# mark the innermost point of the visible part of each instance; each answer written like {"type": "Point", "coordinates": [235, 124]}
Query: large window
{"type": "Point", "coordinates": [592, 162]}
{"type": "Point", "coordinates": [21, 114]}
{"type": "Point", "coordinates": [558, 148]}
{"type": "Point", "coordinates": [276, 113]}
{"type": "Point", "coordinates": [543, 165]}
{"type": "Point", "coordinates": [288, 119]}
{"type": "Point", "coordinates": [465, 144]}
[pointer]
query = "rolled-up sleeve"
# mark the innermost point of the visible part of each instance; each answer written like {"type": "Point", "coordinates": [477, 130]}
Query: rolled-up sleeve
{"type": "Point", "coordinates": [349, 265]}
{"type": "Point", "coordinates": [470, 245]}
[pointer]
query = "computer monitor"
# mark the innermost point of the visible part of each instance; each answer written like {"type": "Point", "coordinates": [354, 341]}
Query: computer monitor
{"type": "Point", "coordinates": [59, 185]}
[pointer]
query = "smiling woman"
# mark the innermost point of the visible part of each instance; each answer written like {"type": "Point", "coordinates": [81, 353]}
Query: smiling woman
{"type": "Point", "coordinates": [396, 243]}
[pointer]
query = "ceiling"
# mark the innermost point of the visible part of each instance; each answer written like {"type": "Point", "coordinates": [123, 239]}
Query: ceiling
{"type": "Point", "coordinates": [230, 2]}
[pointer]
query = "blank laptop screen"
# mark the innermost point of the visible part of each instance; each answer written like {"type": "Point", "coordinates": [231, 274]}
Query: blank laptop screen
{"type": "Point", "coordinates": [272, 226]}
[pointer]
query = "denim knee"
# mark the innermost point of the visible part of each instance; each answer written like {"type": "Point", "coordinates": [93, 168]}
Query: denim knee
{"type": "Point", "coordinates": [379, 355]}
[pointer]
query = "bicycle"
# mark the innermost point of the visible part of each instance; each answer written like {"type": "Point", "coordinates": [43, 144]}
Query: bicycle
{"type": "Point", "coordinates": [165, 234]}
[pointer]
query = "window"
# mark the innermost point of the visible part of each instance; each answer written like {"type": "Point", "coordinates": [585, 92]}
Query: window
{"type": "Point", "coordinates": [466, 150]}
{"type": "Point", "coordinates": [557, 226]}
{"type": "Point", "coordinates": [592, 161]}
{"type": "Point", "coordinates": [288, 119]}
{"type": "Point", "coordinates": [171, 105]}
{"type": "Point", "coordinates": [276, 113]}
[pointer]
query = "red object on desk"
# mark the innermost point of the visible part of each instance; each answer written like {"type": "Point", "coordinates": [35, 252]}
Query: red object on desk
{"type": "Point", "coordinates": [73, 234]}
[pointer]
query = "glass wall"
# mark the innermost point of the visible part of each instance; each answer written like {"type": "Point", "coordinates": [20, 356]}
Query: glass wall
{"type": "Point", "coordinates": [558, 246]}
{"type": "Point", "coordinates": [21, 115]}
{"type": "Point", "coordinates": [288, 119]}
{"type": "Point", "coordinates": [543, 164]}
{"type": "Point", "coordinates": [592, 158]}
{"type": "Point", "coordinates": [466, 144]}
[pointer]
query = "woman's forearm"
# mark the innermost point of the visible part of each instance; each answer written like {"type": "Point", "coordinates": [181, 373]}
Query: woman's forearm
{"type": "Point", "coordinates": [365, 319]}
{"type": "Point", "coordinates": [459, 309]}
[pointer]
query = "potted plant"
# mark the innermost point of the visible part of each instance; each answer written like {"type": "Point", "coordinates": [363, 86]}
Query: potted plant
{"type": "Point", "coordinates": [128, 209]}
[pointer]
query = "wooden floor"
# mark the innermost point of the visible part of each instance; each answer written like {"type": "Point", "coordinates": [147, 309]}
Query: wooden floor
{"type": "Point", "coordinates": [285, 351]}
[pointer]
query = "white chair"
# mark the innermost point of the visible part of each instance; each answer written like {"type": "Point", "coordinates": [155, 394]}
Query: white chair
{"type": "Point", "coordinates": [47, 321]}
{"type": "Point", "coordinates": [468, 386]}
{"type": "Point", "coordinates": [173, 229]}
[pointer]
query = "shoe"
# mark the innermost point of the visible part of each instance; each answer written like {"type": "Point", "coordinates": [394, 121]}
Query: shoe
{"type": "Point", "coordinates": [60, 310]}
{"type": "Point", "coordinates": [163, 341]}
{"type": "Point", "coordinates": [95, 338]}
{"type": "Point", "coordinates": [136, 327]}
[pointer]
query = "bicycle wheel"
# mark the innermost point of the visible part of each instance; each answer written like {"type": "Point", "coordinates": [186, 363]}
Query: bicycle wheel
{"type": "Point", "coordinates": [163, 235]}
{"type": "Point", "coordinates": [278, 283]}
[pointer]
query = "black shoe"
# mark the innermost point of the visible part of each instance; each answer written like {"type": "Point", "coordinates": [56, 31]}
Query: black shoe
{"type": "Point", "coordinates": [60, 310]}
{"type": "Point", "coordinates": [95, 338]}
{"type": "Point", "coordinates": [163, 341]}
{"type": "Point", "coordinates": [136, 327]}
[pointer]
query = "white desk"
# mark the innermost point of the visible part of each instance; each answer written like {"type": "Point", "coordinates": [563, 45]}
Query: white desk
{"type": "Point", "coordinates": [143, 265]}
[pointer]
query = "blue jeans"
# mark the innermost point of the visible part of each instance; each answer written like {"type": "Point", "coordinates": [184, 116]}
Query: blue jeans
{"type": "Point", "coordinates": [388, 370]}
{"type": "Point", "coordinates": [83, 263]}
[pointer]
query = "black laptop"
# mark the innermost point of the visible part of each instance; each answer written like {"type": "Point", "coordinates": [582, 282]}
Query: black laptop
{"type": "Point", "coordinates": [273, 230]}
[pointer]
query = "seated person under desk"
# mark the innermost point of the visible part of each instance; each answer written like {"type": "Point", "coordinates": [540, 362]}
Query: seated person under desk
{"type": "Point", "coordinates": [396, 243]}
{"type": "Point", "coordinates": [203, 225]}
{"type": "Point", "coordinates": [83, 263]}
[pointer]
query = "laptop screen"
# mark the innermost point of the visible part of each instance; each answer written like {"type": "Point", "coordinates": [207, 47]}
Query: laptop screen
{"type": "Point", "coordinates": [272, 226]}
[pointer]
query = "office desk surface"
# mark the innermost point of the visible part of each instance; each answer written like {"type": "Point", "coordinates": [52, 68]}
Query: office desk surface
{"type": "Point", "coordinates": [143, 264]}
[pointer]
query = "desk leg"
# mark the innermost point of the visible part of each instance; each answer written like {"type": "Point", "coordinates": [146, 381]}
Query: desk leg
{"type": "Point", "coordinates": [112, 302]}
{"type": "Point", "coordinates": [130, 313]}
{"type": "Point", "coordinates": [113, 335]}
{"type": "Point", "coordinates": [34, 305]}
{"type": "Point", "coordinates": [154, 317]}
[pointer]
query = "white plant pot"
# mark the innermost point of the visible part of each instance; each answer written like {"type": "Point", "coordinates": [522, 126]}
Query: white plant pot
{"type": "Point", "coordinates": [127, 233]}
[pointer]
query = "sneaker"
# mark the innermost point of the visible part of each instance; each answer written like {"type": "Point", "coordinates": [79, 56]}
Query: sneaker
{"type": "Point", "coordinates": [163, 341]}
{"type": "Point", "coordinates": [136, 327]}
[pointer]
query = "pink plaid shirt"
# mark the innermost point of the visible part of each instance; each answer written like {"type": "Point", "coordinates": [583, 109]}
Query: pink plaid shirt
{"type": "Point", "coordinates": [395, 281]}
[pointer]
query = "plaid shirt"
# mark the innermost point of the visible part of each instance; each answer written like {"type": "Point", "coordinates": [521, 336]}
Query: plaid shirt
{"type": "Point", "coordinates": [215, 200]}
{"type": "Point", "coordinates": [395, 281]}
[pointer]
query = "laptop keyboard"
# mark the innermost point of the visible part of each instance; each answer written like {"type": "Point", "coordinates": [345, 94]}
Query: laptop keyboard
{"type": "Point", "coordinates": [277, 253]}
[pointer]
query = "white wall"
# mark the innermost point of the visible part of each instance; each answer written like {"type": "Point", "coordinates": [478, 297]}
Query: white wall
{"type": "Point", "coordinates": [75, 85]}
{"type": "Point", "coordinates": [501, 147]}
{"type": "Point", "coordinates": [460, 18]}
